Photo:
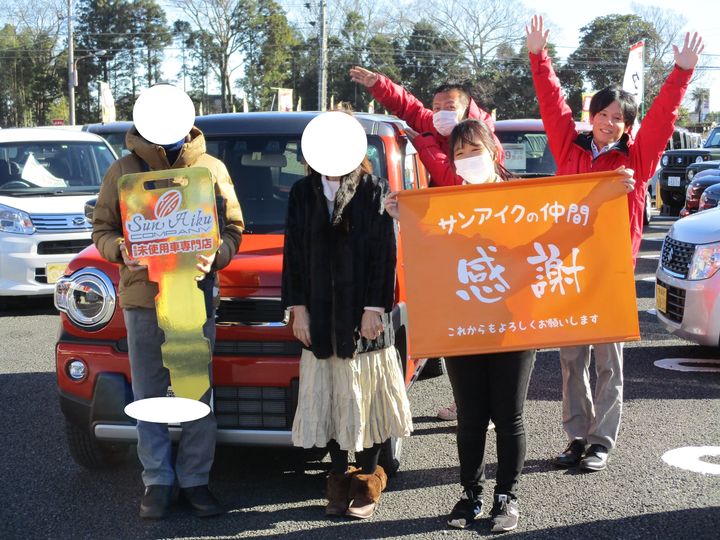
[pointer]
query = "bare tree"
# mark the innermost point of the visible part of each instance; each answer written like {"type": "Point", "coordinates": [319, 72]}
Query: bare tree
{"type": "Point", "coordinates": [225, 22]}
{"type": "Point", "coordinates": [483, 27]}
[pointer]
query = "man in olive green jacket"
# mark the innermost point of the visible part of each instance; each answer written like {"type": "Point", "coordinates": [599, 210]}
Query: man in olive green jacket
{"type": "Point", "coordinates": [137, 293]}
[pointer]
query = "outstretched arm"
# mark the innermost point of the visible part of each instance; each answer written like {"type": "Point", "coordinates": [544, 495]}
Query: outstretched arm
{"type": "Point", "coordinates": [395, 98]}
{"type": "Point", "coordinates": [554, 110]}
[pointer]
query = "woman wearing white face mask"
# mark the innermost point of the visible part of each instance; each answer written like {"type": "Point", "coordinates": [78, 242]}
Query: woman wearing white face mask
{"type": "Point", "coordinates": [487, 387]}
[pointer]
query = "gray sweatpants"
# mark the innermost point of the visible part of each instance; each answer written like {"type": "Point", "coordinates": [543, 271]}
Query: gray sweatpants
{"type": "Point", "coordinates": [150, 378]}
{"type": "Point", "coordinates": [592, 416]}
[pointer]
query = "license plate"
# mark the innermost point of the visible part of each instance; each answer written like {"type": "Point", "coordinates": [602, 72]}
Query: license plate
{"type": "Point", "coordinates": [660, 298]}
{"type": "Point", "coordinates": [53, 272]}
{"type": "Point", "coordinates": [674, 181]}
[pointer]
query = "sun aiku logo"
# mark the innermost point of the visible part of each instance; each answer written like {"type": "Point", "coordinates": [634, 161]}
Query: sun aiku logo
{"type": "Point", "coordinates": [168, 203]}
{"type": "Point", "coordinates": [171, 221]}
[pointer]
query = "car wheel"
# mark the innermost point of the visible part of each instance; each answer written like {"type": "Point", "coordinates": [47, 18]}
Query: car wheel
{"type": "Point", "coordinates": [647, 214]}
{"type": "Point", "coordinates": [434, 367]}
{"type": "Point", "coordinates": [89, 452]}
{"type": "Point", "coordinates": [390, 455]}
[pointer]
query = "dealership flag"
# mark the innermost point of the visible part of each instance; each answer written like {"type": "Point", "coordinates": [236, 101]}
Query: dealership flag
{"type": "Point", "coordinates": [634, 81]}
{"type": "Point", "coordinates": [107, 103]}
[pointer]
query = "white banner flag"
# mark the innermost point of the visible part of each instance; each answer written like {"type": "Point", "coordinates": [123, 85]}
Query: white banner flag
{"type": "Point", "coordinates": [285, 99]}
{"type": "Point", "coordinates": [634, 81]}
{"type": "Point", "coordinates": [107, 103]}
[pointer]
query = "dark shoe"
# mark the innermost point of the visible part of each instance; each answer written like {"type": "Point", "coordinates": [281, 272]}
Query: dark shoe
{"type": "Point", "coordinates": [202, 502]}
{"type": "Point", "coordinates": [365, 490]}
{"type": "Point", "coordinates": [337, 491]}
{"type": "Point", "coordinates": [595, 459]}
{"type": "Point", "coordinates": [572, 455]}
{"type": "Point", "coordinates": [466, 510]}
{"type": "Point", "coordinates": [505, 513]}
{"type": "Point", "coordinates": [156, 502]}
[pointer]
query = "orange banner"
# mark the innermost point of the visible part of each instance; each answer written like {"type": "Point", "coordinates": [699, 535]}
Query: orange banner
{"type": "Point", "coordinates": [518, 265]}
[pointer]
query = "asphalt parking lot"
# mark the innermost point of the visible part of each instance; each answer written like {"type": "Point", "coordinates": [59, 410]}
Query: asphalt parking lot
{"type": "Point", "coordinates": [44, 494]}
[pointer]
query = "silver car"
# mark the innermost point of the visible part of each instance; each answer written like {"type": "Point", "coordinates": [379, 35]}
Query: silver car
{"type": "Point", "coordinates": [687, 288]}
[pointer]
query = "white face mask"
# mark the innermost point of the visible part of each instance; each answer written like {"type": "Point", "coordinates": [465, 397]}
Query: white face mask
{"type": "Point", "coordinates": [476, 169]}
{"type": "Point", "coordinates": [445, 121]}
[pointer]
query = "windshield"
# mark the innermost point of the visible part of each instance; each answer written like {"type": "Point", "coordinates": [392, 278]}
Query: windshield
{"type": "Point", "coordinates": [264, 168]}
{"type": "Point", "coordinates": [58, 166]}
{"type": "Point", "coordinates": [713, 140]}
{"type": "Point", "coordinates": [527, 153]}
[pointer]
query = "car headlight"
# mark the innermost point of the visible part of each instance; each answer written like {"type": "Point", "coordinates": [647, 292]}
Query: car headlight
{"type": "Point", "coordinates": [690, 174]}
{"type": "Point", "coordinates": [15, 221]}
{"type": "Point", "coordinates": [87, 297]}
{"type": "Point", "coordinates": [664, 161]}
{"type": "Point", "coordinates": [699, 159]}
{"type": "Point", "coordinates": [705, 261]}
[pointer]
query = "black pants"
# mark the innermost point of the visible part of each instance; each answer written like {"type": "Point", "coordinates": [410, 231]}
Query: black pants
{"type": "Point", "coordinates": [491, 387]}
{"type": "Point", "coordinates": [367, 459]}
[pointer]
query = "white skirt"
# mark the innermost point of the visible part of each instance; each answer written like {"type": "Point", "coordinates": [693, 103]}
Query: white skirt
{"type": "Point", "coordinates": [358, 402]}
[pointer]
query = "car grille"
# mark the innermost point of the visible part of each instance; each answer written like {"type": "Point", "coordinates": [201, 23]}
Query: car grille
{"type": "Point", "coordinates": [676, 257]}
{"type": "Point", "coordinates": [675, 302]}
{"type": "Point", "coordinates": [60, 222]}
{"type": "Point", "coordinates": [252, 312]}
{"type": "Point", "coordinates": [63, 246]}
{"type": "Point", "coordinates": [255, 407]}
{"type": "Point", "coordinates": [258, 348]}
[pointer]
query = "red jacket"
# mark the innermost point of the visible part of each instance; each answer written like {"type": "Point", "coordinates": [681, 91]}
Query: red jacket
{"type": "Point", "coordinates": [433, 148]}
{"type": "Point", "coordinates": [572, 152]}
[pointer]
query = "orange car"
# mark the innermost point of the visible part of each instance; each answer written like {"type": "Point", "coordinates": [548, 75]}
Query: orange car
{"type": "Point", "coordinates": [256, 357]}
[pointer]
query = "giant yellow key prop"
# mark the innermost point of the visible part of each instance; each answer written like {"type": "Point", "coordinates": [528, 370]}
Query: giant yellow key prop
{"type": "Point", "coordinates": [169, 217]}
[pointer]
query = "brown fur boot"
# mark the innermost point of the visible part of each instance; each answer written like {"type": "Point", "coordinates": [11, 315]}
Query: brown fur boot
{"type": "Point", "coordinates": [365, 492]}
{"type": "Point", "coordinates": [337, 492]}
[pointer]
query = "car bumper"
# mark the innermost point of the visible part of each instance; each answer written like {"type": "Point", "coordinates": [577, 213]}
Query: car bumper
{"type": "Point", "coordinates": [693, 308]}
{"type": "Point", "coordinates": [26, 272]}
{"type": "Point", "coordinates": [97, 403]}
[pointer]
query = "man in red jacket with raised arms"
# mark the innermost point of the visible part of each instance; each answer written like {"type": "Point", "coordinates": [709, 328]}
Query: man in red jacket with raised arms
{"type": "Point", "coordinates": [592, 421]}
{"type": "Point", "coordinates": [451, 104]}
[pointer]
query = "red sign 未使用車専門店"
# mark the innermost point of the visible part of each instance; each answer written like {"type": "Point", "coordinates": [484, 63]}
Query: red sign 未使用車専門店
{"type": "Point", "coordinates": [518, 265]}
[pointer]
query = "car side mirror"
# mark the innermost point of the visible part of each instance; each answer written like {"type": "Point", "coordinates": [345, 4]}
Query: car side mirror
{"type": "Point", "coordinates": [89, 209]}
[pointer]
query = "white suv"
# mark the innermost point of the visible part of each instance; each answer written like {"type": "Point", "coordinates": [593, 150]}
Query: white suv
{"type": "Point", "coordinates": [46, 176]}
{"type": "Point", "coordinates": [687, 289]}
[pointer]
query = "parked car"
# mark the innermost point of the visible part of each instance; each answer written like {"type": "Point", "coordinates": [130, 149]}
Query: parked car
{"type": "Point", "coordinates": [710, 198]}
{"type": "Point", "coordinates": [46, 176]}
{"type": "Point", "coordinates": [256, 356]}
{"type": "Point", "coordinates": [695, 189]}
{"type": "Point", "coordinates": [687, 291]}
{"type": "Point", "coordinates": [695, 168]}
{"type": "Point", "coordinates": [674, 175]}
{"type": "Point", "coordinates": [112, 132]}
{"type": "Point", "coordinates": [528, 155]}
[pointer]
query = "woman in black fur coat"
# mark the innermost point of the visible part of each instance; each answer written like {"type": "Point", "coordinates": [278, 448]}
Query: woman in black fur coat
{"type": "Point", "coordinates": [339, 281]}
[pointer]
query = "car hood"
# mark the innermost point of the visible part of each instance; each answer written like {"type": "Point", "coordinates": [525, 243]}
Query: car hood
{"type": "Point", "coordinates": [700, 228]}
{"type": "Point", "coordinates": [257, 268]}
{"type": "Point", "coordinates": [48, 204]}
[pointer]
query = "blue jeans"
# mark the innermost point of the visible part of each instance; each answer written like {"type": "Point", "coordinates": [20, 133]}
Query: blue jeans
{"type": "Point", "coordinates": [196, 449]}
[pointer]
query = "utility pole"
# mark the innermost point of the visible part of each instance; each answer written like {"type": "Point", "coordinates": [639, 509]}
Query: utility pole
{"type": "Point", "coordinates": [71, 66]}
{"type": "Point", "coordinates": [322, 63]}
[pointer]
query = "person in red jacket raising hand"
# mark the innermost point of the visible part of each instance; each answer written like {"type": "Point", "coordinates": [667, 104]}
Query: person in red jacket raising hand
{"type": "Point", "coordinates": [430, 129]}
{"type": "Point", "coordinates": [594, 419]}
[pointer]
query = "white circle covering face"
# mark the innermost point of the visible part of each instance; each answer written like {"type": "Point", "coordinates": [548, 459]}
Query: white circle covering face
{"type": "Point", "coordinates": [334, 143]}
{"type": "Point", "coordinates": [689, 458]}
{"type": "Point", "coordinates": [167, 410]}
{"type": "Point", "coordinates": [163, 114]}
